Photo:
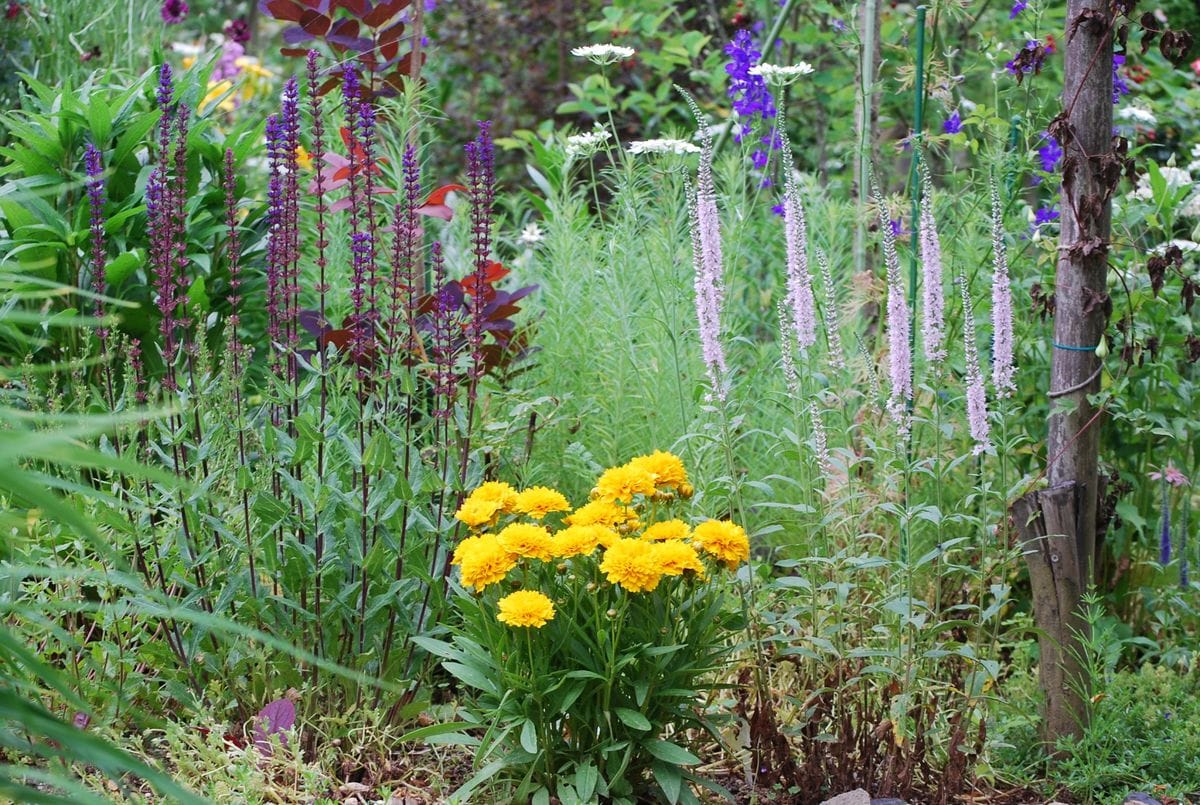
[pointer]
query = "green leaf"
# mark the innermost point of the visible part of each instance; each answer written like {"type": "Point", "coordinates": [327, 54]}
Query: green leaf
{"type": "Point", "coordinates": [670, 780]}
{"type": "Point", "coordinates": [671, 753]}
{"type": "Point", "coordinates": [529, 741]}
{"type": "Point", "coordinates": [421, 733]}
{"type": "Point", "coordinates": [541, 796]}
{"type": "Point", "coordinates": [100, 120]}
{"type": "Point", "coordinates": [632, 718]}
{"type": "Point", "coordinates": [198, 297]}
{"type": "Point", "coordinates": [470, 675]}
{"type": "Point", "coordinates": [586, 777]}
{"type": "Point", "coordinates": [122, 266]}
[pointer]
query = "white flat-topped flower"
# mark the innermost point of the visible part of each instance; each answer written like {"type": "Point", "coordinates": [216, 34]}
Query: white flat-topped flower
{"type": "Point", "coordinates": [603, 54]}
{"type": "Point", "coordinates": [532, 233]}
{"type": "Point", "coordinates": [587, 143]}
{"type": "Point", "coordinates": [781, 74]}
{"type": "Point", "coordinates": [663, 146]}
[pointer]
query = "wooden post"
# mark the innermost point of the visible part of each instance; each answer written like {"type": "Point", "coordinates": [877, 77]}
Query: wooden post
{"type": "Point", "coordinates": [1059, 526]}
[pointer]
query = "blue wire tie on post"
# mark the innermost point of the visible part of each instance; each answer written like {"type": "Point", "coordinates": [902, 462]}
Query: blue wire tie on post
{"type": "Point", "coordinates": [1092, 348]}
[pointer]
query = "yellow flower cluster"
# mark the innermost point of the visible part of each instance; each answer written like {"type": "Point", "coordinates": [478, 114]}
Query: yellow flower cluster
{"type": "Point", "coordinates": [636, 556]}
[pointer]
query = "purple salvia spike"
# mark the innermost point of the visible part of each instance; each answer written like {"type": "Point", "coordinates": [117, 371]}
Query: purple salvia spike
{"type": "Point", "coordinates": [275, 243]}
{"type": "Point", "coordinates": [977, 414]}
{"type": "Point", "coordinates": [443, 350]}
{"type": "Point", "coordinates": [405, 231]}
{"type": "Point", "coordinates": [178, 195]}
{"type": "Point", "coordinates": [833, 318]}
{"type": "Point", "coordinates": [318, 185]}
{"type": "Point", "coordinates": [235, 256]}
{"type": "Point", "coordinates": [162, 264]}
{"type": "Point", "coordinates": [163, 99]}
{"type": "Point", "coordinates": [139, 377]}
{"type": "Point", "coordinates": [898, 325]}
{"type": "Point", "coordinates": [933, 300]}
{"type": "Point", "coordinates": [95, 193]}
{"type": "Point", "coordinates": [366, 139]}
{"type": "Point", "coordinates": [289, 122]}
{"type": "Point", "coordinates": [1003, 369]}
{"type": "Point", "coordinates": [482, 181]}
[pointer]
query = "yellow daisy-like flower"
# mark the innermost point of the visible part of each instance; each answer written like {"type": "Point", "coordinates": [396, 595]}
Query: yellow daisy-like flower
{"type": "Point", "coordinates": [602, 512]}
{"type": "Point", "coordinates": [667, 468]}
{"type": "Point", "coordinates": [724, 540]}
{"type": "Point", "coordinates": [666, 530]}
{"type": "Point", "coordinates": [499, 492]}
{"type": "Point", "coordinates": [538, 501]}
{"type": "Point", "coordinates": [623, 484]}
{"type": "Point", "coordinates": [483, 561]}
{"type": "Point", "coordinates": [303, 158]}
{"type": "Point", "coordinates": [632, 564]}
{"type": "Point", "coordinates": [475, 513]}
{"type": "Point", "coordinates": [578, 540]}
{"type": "Point", "coordinates": [675, 557]}
{"type": "Point", "coordinates": [524, 539]}
{"type": "Point", "coordinates": [525, 608]}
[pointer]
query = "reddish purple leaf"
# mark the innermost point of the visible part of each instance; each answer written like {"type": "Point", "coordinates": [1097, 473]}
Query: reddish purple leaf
{"type": "Point", "coordinates": [273, 719]}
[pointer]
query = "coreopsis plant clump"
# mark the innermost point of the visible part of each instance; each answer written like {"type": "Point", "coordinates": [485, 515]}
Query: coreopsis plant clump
{"type": "Point", "coordinates": [590, 636]}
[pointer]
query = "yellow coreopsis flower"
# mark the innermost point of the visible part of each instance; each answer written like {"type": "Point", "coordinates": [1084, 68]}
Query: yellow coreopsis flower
{"type": "Point", "coordinates": [525, 608]}
{"type": "Point", "coordinates": [675, 557]}
{"type": "Point", "coordinates": [724, 540]}
{"type": "Point", "coordinates": [497, 491]}
{"type": "Point", "coordinates": [605, 513]}
{"type": "Point", "coordinates": [666, 530]}
{"type": "Point", "coordinates": [524, 539]}
{"type": "Point", "coordinates": [303, 158]}
{"type": "Point", "coordinates": [578, 540]}
{"type": "Point", "coordinates": [538, 501]}
{"type": "Point", "coordinates": [483, 561]}
{"type": "Point", "coordinates": [632, 564]}
{"type": "Point", "coordinates": [215, 90]}
{"type": "Point", "coordinates": [623, 484]}
{"type": "Point", "coordinates": [667, 468]}
{"type": "Point", "coordinates": [476, 513]}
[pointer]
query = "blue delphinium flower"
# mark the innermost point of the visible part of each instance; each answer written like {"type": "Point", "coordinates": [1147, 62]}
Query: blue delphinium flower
{"type": "Point", "coordinates": [1045, 215]}
{"type": "Point", "coordinates": [1017, 8]}
{"type": "Point", "coordinates": [953, 124]}
{"type": "Point", "coordinates": [750, 95]}
{"type": "Point", "coordinates": [1050, 154]}
{"type": "Point", "coordinates": [1120, 88]}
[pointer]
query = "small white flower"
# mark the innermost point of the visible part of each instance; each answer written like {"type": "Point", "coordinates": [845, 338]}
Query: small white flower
{"type": "Point", "coordinates": [588, 143]}
{"type": "Point", "coordinates": [1137, 114]}
{"type": "Point", "coordinates": [666, 146]}
{"type": "Point", "coordinates": [781, 75]}
{"type": "Point", "coordinates": [532, 233]}
{"type": "Point", "coordinates": [603, 54]}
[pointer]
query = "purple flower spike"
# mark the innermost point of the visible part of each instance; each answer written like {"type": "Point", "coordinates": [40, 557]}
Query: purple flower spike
{"type": "Point", "coordinates": [95, 193]}
{"type": "Point", "coordinates": [1050, 154]}
{"type": "Point", "coordinates": [1120, 87]}
{"type": "Point", "coordinates": [481, 179]}
{"type": "Point", "coordinates": [751, 97]}
{"type": "Point", "coordinates": [1164, 535]}
{"type": "Point", "coordinates": [1045, 215]}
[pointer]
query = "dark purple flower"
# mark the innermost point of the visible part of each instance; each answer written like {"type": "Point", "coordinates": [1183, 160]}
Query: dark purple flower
{"type": "Point", "coordinates": [751, 98]}
{"type": "Point", "coordinates": [1120, 88]}
{"type": "Point", "coordinates": [953, 124]}
{"type": "Point", "coordinates": [1028, 59]}
{"type": "Point", "coordinates": [1017, 8]}
{"type": "Point", "coordinates": [897, 226]}
{"type": "Point", "coordinates": [238, 31]}
{"type": "Point", "coordinates": [481, 178]}
{"type": "Point", "coordinates": [174, 11]}
{"type": "Point", "coordinates": [777, 210]}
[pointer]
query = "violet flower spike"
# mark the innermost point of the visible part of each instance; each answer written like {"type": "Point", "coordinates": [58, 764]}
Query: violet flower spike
{"type": "Point", "coordinates": [95, 193]}
{"type": "Point", "coordinates": [289, 122]}
{"type": "Point", "coordinates": [977, 415]}
{"type": "Point", "coordinates": [481, 179]}
{"type": "Point", "coordinates": [899, 333]}
{"type": "Point", "coordinates": [708, 263]}
{"type": "Point", "coordinates": [1003, 369]}
{"type": "Point", "coordinates": [833, 319]}
{"type": "Point", "coordinates": [235, 255]}
{"type": "Point", "coordinates": [275, 240]}
{"type": "Point", "coordinates": [1164, 534]}
{"type": "Point", "coordinates": [932, 299]}
{"type": "Point", "coordinates": [799, 282]}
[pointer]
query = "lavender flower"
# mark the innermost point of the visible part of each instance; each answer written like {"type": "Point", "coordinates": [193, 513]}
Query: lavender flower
{"type": "Point", "coordinates": [174, 11]}
{"type": "Point", "coordinates": [932, 299]}
{"type": "Point", "coordinates": [953, 124]}
{"type": "Point", "coordinates": [750, 95]}
{"type": "Point", "coordinates": [799, 283]}
{"type": "Point", "coordinates": [1003, 369]}
{"type": "Point", "coordinates": [977, 415]}
{"type": "Point", "coordinates": [289, 122]}
{"type": "Point", "coordinates": [235, 254]}
{"type": "Point", "coordinates": [95, 193]}
{"type": "Point", "coordinates": [1120, 87]}
{"type": "Point", "coordinates": [708, 263]}
{"type": "Point", "coordinates": [833, 320]}
{"type": "Point", "coordinates": [275, 241]}
{"type": "Point", "coordinates": [404, 256]}
{"type": "Point", "coordinates": [899, 334]}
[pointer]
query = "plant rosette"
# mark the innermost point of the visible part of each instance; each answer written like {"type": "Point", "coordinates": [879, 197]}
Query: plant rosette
{"type": "Point", "coordinates": [590, 635]}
